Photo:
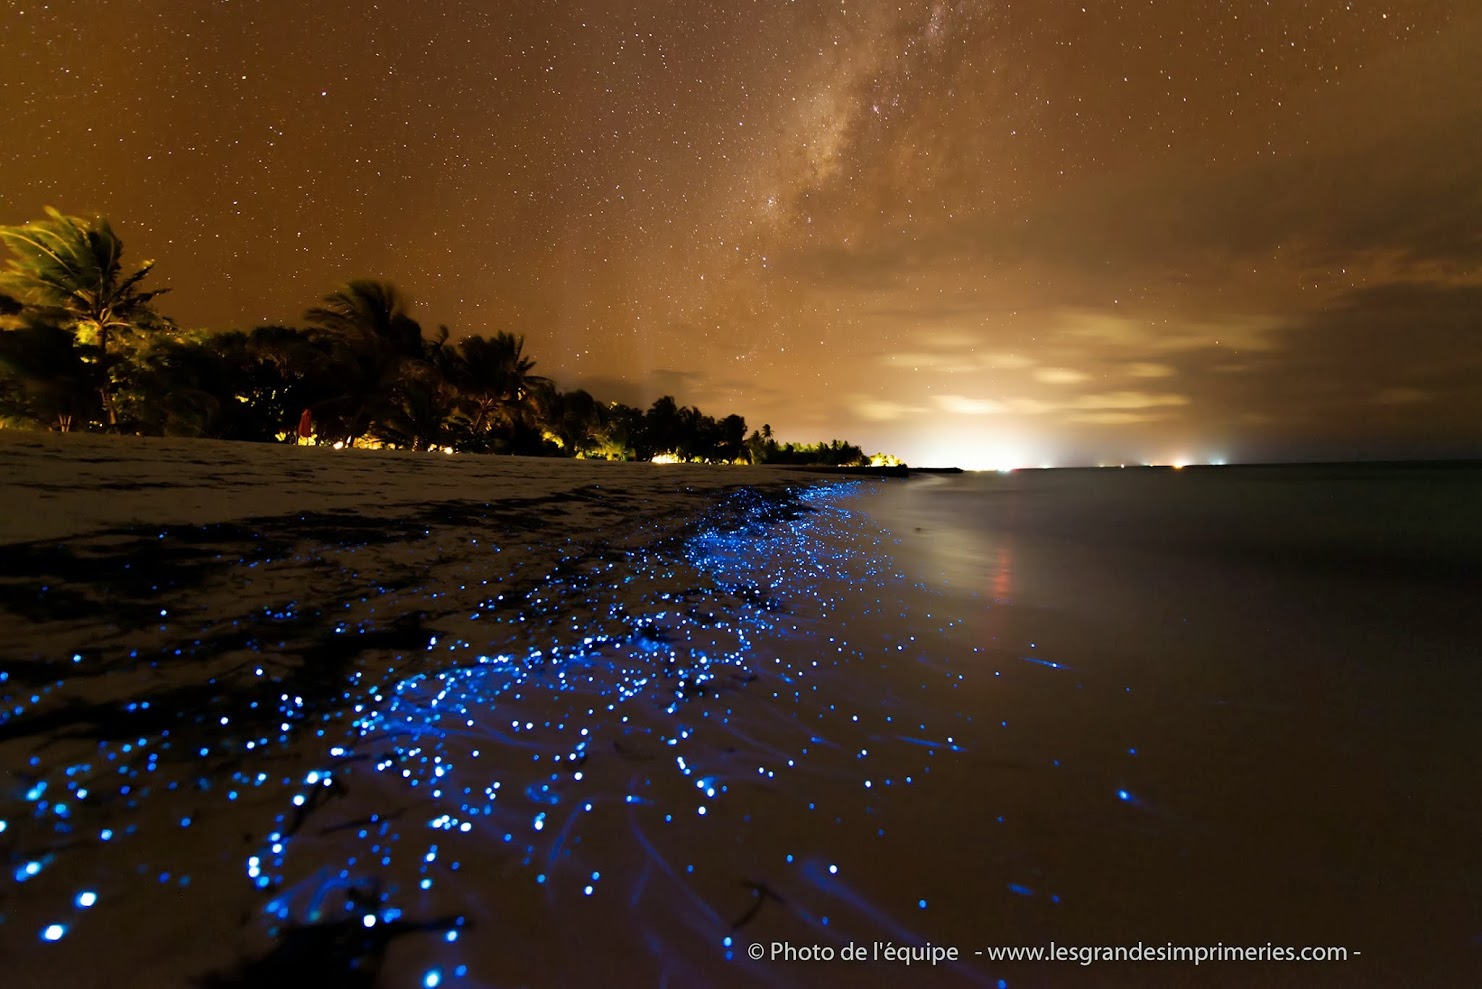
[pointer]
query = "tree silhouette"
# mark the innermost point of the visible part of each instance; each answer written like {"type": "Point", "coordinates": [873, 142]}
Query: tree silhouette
{"type": "Point", "coordinates": [374, 309]}
{"type": "Point", "coordinates": [372, 340]}
{"type": "Point", "coordinates": [72, 353]}
{"type": "Point", "coordinates": [44, 379]}
{"type": "Point", "coordinates": [68, 272]}
{"type": "Point", "coordinates": [419, 416]}
{"type": "Point", "coordinates": [575, 418]}
{"type": "Point", "coordinates": [494, 377]}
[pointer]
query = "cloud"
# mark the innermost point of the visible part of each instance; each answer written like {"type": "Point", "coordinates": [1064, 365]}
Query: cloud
{"type": "Point", "coordinates": [1388, 165]}
{"type": "Point", "coordinates": [1003, 361]}
{"type": "Point", "coordinates": [1113, 418]}
{"type": "Point", "coordinates": [1136, 335]}
{"type": "Point", "coordinates": [608, 388]}
{"type": "Point", "coordinates": [1129, 400]}
{"type": "Point", "coordinates": [944, 363]}
{"type": "Point", "coordinates": [1015, 406]}
{"type": "Point", "coordinates": [1401, 396]}
{"type": "Point", "coordinates": [961, 405]}
{"type": "Point", "coordinates": [1030, 406]}
{"type": "Point", "coordinates": [1059, 376]}
{"type": "Point", "coordinates": [1386, 370]}
{"type": "Point", "coordinates": [1145, 370]}
{"type": "Point", "coordinates": [881, 410]}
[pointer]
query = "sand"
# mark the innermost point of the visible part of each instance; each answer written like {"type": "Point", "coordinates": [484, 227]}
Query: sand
{"type": "Point", "coordinates": [283, 716]}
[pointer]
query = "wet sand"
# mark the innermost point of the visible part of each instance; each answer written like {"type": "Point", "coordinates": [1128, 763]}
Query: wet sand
{"type": "Point", "coordinates": [442, 720]}
{"type": "Point", "coordinates": [482, 721]}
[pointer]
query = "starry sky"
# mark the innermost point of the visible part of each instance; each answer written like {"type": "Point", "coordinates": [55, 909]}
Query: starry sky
{"type": "Point", "coordinates": [971, 232]}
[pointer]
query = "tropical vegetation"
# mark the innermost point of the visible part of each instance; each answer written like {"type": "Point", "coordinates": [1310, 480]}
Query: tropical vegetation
{"type": "Point", "coordinates": [83, 347]}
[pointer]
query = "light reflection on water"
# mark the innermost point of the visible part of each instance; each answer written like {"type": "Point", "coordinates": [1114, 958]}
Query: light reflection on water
{"type": "Point", "coordinates": [1273, 672]}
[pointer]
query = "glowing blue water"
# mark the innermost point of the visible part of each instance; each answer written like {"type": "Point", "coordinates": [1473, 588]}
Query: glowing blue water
{"type": "Point", "coordinates": [664, 745]}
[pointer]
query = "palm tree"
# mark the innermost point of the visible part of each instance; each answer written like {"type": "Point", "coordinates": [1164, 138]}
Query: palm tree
{"type": "Point", "coordinates": [294, 371]}
{"type": "Point", "coordinates": [494, 376]}
{"type": "Point", "coordinates": [374, 309]}
{"type": "Point", "coordinates": [419, 416]}
{"type": "Point", "coordinates": [574, 418]}
{"type": "Point", "coordinates": [372, 338]}
{"type": "Point", "coordinates": [661, 425]}
{"type": "Point", "coordinates": [69, 272]}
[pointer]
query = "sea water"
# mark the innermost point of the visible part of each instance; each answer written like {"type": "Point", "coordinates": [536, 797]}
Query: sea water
{"type": "Point", "coordinates": [938, 719]}
{"type": "Point", "coordinates": [877, 734]}
{"type": "Point", "coordinates": [1225, 705]}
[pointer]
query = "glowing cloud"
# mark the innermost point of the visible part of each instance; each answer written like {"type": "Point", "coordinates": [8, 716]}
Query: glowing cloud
{"type": "Point", "coordinates": [962, 405]}
{"type": "Point", "coordinates": [1059, 376]}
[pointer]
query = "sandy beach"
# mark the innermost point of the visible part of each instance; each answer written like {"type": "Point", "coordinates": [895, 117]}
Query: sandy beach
{"type": "Point", "coordinates": [302, 716]}
{"type": "Point", "coordinates": [294, 716]}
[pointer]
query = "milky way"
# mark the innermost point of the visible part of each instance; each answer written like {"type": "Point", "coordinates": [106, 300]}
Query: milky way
{"type": "Point", "coordinates": [990, 233]}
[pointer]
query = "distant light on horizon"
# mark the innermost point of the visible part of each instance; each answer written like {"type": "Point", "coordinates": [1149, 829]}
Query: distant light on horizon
{"type": "Point", "coordinates": [979, 454]}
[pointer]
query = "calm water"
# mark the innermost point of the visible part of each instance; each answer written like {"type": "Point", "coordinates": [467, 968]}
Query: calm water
{"type": "Point", "coordinates": [1279, 668]}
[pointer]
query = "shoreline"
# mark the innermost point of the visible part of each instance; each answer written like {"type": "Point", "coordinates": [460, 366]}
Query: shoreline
{"type": "Point", "coordinates": [55, 482]}
{"type": "Point", "coordinates": [174, 678]}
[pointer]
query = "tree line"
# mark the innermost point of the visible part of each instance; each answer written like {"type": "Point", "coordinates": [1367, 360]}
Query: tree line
{"type": "Point", "coordinates": [83, 346]}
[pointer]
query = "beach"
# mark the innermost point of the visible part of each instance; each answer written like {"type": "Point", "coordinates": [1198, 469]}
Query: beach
{"type": "Point", "coordinates": [251, 694]}
{"type": "Point", "coordinates": [298, 716]}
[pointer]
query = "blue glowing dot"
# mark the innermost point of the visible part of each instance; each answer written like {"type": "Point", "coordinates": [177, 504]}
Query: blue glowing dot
{"type": "Point", "coordinates": [369, 920]}
{"type": "Point", "coordinates": [1123, 795]}
{"type": "Point", "coordinates": [833, 870]}
{"type": "Point", "coordinates": [921, 904]}
{"type": "Point", "coordinates": [727, 941]}
{"type": "Point", "coordinates": [31, 868]}
{"type": "Point", "coordinates": [53, 932]}
{"type": "Point", "coordinates": [432, 979]}
{"type": "Point", "coordinates": [106, 834]}
{"type": "Point", "coordinates": [451, 936]}
{"type": "Point", "coordinates": [86, 898]}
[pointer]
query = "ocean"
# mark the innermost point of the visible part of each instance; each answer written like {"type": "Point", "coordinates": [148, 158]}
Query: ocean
{"type": "Point", "coordinates": [828, 733]}
{"type": "Point", "coordinates": [1232, 705]}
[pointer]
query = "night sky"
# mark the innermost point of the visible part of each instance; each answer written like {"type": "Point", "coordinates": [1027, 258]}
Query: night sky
{"type": "Point", "coordinates": [964, 232]}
